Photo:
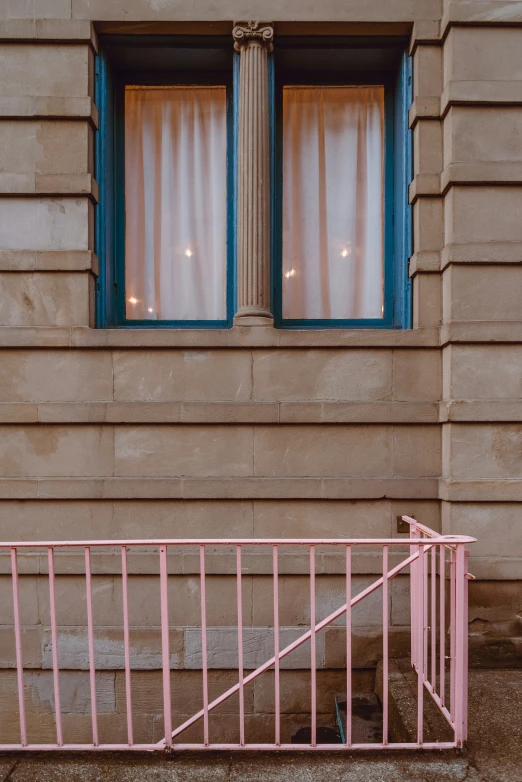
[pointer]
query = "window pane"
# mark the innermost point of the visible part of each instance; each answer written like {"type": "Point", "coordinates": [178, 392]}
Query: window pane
{"type": "Point", "coordinates": [175, 203]}
{"type": "Point", "coordinates": [333, 257]}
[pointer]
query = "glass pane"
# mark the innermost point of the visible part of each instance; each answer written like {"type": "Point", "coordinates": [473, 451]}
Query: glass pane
{"type": "Point", "coordinates": [175, 203]}
{"type": "Point", "coordinates": [333, 258]}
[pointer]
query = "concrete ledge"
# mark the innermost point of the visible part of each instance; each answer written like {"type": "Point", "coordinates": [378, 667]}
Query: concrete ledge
{"type": "Point", "coordinates": [48, 260]}
{"type": "Point", "coordinates": [481, 252]}
{"type": "Point", "coordinates": [49, 30]}
{"type": "Point", "coordinates": [49, 107]}
{"type": "Point", "coordinates": [484, 332]}
{"type": "Point", "coordinates": [427, 261]}
{"type": "Point", "coordinates": [480, 491]}
{"type": "Point", "coordinates": [220, 412]}
{"type": "Point", "coordinates": [474, 411]}
{"type": "Point", "coordinates": [482, 92]}
{"type": "Point", "coordinates": [215, 488]}
{"type": "Point", "coordinates": [218, 338]}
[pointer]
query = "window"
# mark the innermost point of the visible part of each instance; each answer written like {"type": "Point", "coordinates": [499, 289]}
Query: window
{"type": "Point", "coordinates": [175, 203]}
{"type": "Point", "coordinates": [166, 225]}
{"type": "Point", "coordinates": [340, 208]}
{"type": "Point", "coordinates": [168, 130]}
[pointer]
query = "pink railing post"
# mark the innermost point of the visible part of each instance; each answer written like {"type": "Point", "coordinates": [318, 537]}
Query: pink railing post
{"type": "Point", "coordinates": [276, 648]}
{"type": "Point", "coordinates": [240, 648]}
{"type": "Point", "coordinates": [452, 634]}
{"type": "Point", "coordinates": [313, 674]}
{"type": "Point", "coordinates": [442, 625]}
{"type": "Point", "coordinates": [419, 588]}
{"type": "Point", "coordinates": [433, 618]}
{"type": "Point", "coordinates": [54, 641]}
{"type": "Point", "coordinates": [126, 644]}
{"type": "Point", "coordinates": [385, 645]}
{"type": "Point", "coordinates": [465, 620]}
{"type": "Point", "coordinates": [414, 572]}
{"type": "Point", "coordinates": [165, 647]}
{"type": "Point", "coordinates": [461, 629]}
{"type": "Point", "coordinates": [203, 597]}
{"type": "Point", "coordinates": [18, 647]}
{"type": "Point", "coordinates": [90, 638]}
{"type": "Point", "coordinates": [348, 646]}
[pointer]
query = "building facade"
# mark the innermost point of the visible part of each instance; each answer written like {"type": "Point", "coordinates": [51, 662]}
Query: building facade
{"type": "Point", "coordinates": [250, 426]}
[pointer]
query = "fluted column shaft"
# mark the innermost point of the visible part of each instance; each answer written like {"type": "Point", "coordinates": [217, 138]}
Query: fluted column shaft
{"type": "Point", "coordinates": [253, 41]}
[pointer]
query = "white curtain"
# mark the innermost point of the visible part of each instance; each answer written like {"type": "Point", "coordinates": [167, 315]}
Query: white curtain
{"type": "Point", "coordinates": [175, 203]}
{"type": "Point", "coordinates": [333, 202]}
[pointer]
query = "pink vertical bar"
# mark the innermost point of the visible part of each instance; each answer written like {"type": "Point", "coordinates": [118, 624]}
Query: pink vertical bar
{"type": "Point", "coordinates": [460, 631]}
{"type": "Point", "coordinates": [442, 630]}
{"type": "Point", "coordinates": [54, 641]}
{"type": "Point", "coordinates": [312, 647]}
{"type": "Point", "coordinates": [385, 585]}
{"type": "Point", "coordinates": [126, 644]}
{"type": "Point", "coordinates": [465, 620]}
{"type": "Point", "coordinates": [240, 648]}
{"type": "Point", "coordinates": [433, 618]}
{"type": "Point", "coordinates": [203, 594]}
{"type": "Point", "coordinates": [90, 635]}
{"type": "Point", "coordinates": [348, 646]}
{"type": "Point", "coordinates": [420, 637]}
{"type": "Point", "coordinates": [165, 646]}
{"type": "Point", "coordinates": [452, 634]}
{"type": "Point", "coordinates": [425, 616]}
{"type": "Point", "coordinates": [18, 645]}
{"type": "Point", "coordinates": [276, 648]}
{"type": "Point", "coordinates": [414, 568]}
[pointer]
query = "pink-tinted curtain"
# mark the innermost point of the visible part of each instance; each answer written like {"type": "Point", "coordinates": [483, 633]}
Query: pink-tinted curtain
{"type": "Point", "coordinates": [175, 203]}
{"type": "Point", "coordinates": [333, 202]}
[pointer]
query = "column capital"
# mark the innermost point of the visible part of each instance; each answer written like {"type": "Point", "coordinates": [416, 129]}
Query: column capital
{"type": "Point", "coordinates": [261, 33]}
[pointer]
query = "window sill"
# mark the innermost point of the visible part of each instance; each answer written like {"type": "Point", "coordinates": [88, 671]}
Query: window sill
{"type": "Point", "coordinates": [237, 337]}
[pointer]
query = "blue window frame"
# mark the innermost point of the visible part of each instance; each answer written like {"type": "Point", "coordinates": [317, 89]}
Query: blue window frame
{"type": "Point", "coordinates": [164, 60]}
{"type": "Point", "coordinates": [158, 61]}
{"type": "Point", "coordinates": [350, 62]}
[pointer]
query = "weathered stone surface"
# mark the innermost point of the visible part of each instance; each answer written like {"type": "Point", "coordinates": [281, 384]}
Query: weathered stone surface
{"type": "Point", "coordinates": [482, 293]}
{"type": "Point", "coordinates": [288, 375]}
{"type": "Point", "coordinates": [62, 71]}
{"type": "Point", "coordinates": [489, 372]}
{"type": "Point", "coordinates": [45, 224]}
{"type": "Point", "coordinates": [190, 375]}
{"type": "Point", "coordinates": [499, 456]}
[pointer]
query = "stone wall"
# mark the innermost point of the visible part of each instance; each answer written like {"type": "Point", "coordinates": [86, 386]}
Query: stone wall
{"type": "Point", "coordinates": [254, 431]}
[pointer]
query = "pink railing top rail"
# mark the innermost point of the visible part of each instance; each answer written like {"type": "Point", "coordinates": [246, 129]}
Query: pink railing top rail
{"type": "Point", "coordinates": [443, 540]}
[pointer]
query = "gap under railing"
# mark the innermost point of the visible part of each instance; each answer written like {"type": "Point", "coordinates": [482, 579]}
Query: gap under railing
{"type": "Point", "coordinates": [438, 577]}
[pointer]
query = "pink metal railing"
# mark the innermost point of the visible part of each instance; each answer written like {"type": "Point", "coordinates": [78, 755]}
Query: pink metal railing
{"type": "Point", "coordinates": [431, 557]}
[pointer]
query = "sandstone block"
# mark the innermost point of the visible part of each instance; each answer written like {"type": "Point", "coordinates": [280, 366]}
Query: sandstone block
{"type": "Point", "coordinates": [51, 70]}
{"type": "Point", "coordinates": [44, 299]}
{"type": "Point", "coordinates": [496, 525]}
{"type": "Point", "coordinates": [482, 293]}
{"type": "Point", "coordinates": [258, 647]}
{"type": "Point", "coordinates": [189, 450]}
{"type": "Point", "coordinates": [51, 451]}
{"type": "Point", "coordinates": [323, 451]}
{"type": "Point", "coordinates": [172, 519]}
{"type": "Point", "coordinates": [483, 214]}
{"type": "Point", "coordinates": [427, 300]}
{"type": "Point", "coordinates": [428, 224]}
{"type": "Point", "coordinates": [26, 9]}
{"type": "Point", "coordinates": [325, 375]}
{"type": "Point", "coordinates": [427, 147]}
{"type": "Point", "coordinates": [416, 451]}
{"type": "Point", "coordinates": [56, 520]}
{"type": "Point", "coordinates": [416, 375]}
{"type": "Point", "coordinates": [184, 375]}
{"type": "Point", "coordinates": [489, 372]}
{"type": "Point", "coordinates": [45, 147]}
{"type": "Point", "coordinates": [46, 224]}
{"type": "Point", "coordinates": [483, 452]}
{"type": "Point", "coordinates": [325, 519]}
{"type": "Point", "coordinates": [474, 54]}
{"type": "Point", "coordinates": [55, 376]}
{"type": "Point", "coordinates": [484, 134]}
{"type": "Point", "coordinates": [427, 72]}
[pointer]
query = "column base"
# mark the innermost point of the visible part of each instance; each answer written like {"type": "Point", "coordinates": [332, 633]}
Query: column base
{"type": "Point", "coordinates": [254, 318]}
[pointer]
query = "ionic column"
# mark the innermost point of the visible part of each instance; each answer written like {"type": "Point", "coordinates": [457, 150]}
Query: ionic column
{"type": "Point", "coordinates": [253, 41]}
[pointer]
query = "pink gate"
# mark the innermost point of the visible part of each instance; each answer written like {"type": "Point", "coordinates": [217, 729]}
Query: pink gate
{"type": "Point", "coordinates": [438, 577]}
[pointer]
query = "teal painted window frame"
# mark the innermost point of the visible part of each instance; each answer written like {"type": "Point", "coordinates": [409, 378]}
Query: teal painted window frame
{"type": "Point", "coordinates": [109, 212]}
{"type": "Point", "coordinates": [397, 177]}
{"type": "Point", "coordinates": [110, 173]}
